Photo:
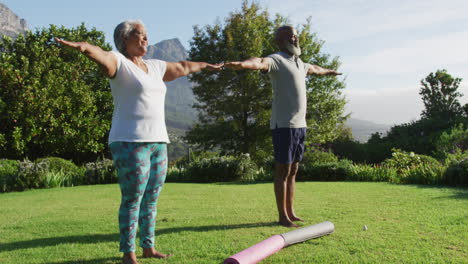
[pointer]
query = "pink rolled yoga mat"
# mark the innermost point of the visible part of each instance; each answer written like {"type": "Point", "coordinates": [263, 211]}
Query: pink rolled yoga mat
{"type": "Point", "coordinates": [258, 251]}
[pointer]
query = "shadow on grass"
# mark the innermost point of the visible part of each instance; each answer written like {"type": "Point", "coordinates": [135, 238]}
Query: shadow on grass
{"type": "Point", "coordinates": [54, 241]}
{"type": "Point", "coordinates": [91, 261]}
{"type": "Point", "coordinates": [94, 239]}
{"type": "Point", "coordinates": [211, 228]}
{"type": "Point", "coordinates": [460, 193]}
{"type": "Point", "coordinates": [242, 183]}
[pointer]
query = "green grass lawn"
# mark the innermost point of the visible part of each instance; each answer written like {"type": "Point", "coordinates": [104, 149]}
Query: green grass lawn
{"type": "Point", "coordinates": [206, 223]}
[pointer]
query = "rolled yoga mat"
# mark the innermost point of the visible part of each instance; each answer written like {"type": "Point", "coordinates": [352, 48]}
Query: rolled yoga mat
{"type": "Point", "coordinates": [258, 251]}
{"type": "Point", "coordinates": [308, 232]}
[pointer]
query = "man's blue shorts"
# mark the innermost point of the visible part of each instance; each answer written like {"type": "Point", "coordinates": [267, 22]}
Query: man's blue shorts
{"type": "Point", "coordinates": [288, 144]}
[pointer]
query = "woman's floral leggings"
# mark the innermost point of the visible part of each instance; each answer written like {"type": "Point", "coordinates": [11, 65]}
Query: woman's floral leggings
{"type": "Point", "coordinates": [141, 168]}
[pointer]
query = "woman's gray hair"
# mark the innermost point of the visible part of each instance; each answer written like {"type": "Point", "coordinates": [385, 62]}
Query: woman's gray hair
{"type": "Point", "coordinates": [122, 31]}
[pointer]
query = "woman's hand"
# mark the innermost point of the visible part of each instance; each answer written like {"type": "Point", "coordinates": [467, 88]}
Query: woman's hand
{"type": "Point", "coordinates": [105, 59]}
{"type": "Point", "coordinates": [175, 70]}
{"type": "Point", "coordinates": [81, 46]}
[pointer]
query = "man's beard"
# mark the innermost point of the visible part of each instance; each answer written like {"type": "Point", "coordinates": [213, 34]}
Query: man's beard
{"type": "Point", "coordinates": [293, 49]}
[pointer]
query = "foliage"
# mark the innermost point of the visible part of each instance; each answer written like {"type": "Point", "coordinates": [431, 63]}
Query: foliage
{"type": "Point", "coordinates": [194, 156]}
{"type": "Point", "coordinates": [8, 170]}
{"type": "Point", "coordinates": [53, 100]}
{"type": "Point", "coordinates": [361, 172]}
{"type": "Point", "coordinates": [30, 175]}
{"type": "Point", "coordinates": [56, 164]}
{"type": "Point", "coordinates": [457, 173]}
{"type": "Point", "coordinates": [216, 169]}
{"type": "Point", "coordinates": [402, 160]}
{"type": "Point", "coordinates": [61, 172]}
{"type": "Point", "coordinates": [330, 171]}
{"type": "Point", "coordinates": [54, 179]}
{"type": "Point", "coordinates": [454, 140]}
{"type": "Point", "coordinates": [441, 128]}
{"type": "Point", "coordinates": [234, 106]}
{"type": "Point", "coordinates": [317, 155]}
{"type": "Point", "coordinates": [424, 173]}
{"type": "Point", "coordinates": [100, 172]}
{"type": "Point", "coordinates": [352, 150]}
{"type": "Point", "coordinates": [440, 96]}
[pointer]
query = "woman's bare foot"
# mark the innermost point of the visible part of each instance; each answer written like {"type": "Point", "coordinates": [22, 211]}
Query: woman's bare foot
{"type": "Point", "coordinates": [152, 253]}
{"type": "Point", "coordinates": [129, 258]}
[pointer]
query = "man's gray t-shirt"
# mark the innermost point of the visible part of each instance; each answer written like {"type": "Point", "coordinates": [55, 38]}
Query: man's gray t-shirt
{"type": "Point", "coordinates": [288, 75]}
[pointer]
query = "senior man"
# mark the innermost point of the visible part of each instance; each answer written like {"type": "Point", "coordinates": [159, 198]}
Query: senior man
{"type": "Point", "coordinates": [288, 117]}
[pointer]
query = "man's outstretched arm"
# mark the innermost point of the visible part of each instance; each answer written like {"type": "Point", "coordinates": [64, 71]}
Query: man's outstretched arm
{"type": "Point", "coordinates": [317, 70]}
{"type": "Point", "coordinates": [250, 64]}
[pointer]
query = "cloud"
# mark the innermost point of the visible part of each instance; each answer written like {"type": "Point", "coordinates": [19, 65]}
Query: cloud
{"type": "Point", "coordinates": [391, 105]}
{"type": "Point", "coordinates": [386, 48]}
{"type": "Point", "coordinates": [338, 20]}
{"type": "Point", "coordinates": [414, 56]}
{"type": "Point", "coordinates": [385, 106]}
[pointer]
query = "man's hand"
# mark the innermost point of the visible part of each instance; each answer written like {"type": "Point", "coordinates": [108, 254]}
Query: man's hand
{"type": "Point", "coordinates": [214, 67]}
{"type": "Point", "coordinates": [317, 70]}
{"type": "Point", "coordinates": [250, 64]}
{"type": "Point", "coordinates": [333, 72]}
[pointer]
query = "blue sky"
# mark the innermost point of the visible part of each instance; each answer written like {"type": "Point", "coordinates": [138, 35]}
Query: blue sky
{"type": "Point", "coordinates": [386, 47]}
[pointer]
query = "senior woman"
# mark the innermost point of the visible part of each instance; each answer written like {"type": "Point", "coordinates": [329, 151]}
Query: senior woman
{"type": "Point", "coordinates": [138, 135]}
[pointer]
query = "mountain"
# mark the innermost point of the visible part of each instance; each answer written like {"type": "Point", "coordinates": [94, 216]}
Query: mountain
{"type": "Point", "coordinates": [10, 24]}
{"type": "Point", "coordinates": [179, 96]}
{"type": "Point", "coordinates": [362, 129]}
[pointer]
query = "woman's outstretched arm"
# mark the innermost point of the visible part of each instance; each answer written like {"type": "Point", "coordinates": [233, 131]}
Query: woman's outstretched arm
{"type": "Point", "coordinates": [105, 59]}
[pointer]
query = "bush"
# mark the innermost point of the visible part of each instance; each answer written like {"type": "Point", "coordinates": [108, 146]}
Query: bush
{"type": "Point", "coordinates": [316, 155]}
{"type": "Point", "coordinates": [195, 156]}
{"type": "Point", "coordinates": [424, 174]}
{"type": "Point", "coordinates": [454, 140]}
{"type": "Point", "coordinates": [221, 169]}
{"type": "Point", "coordinates": [61, 172]}
{"type": "Point", "coordinates": [58, 101]}
{"type": "Point", "coordinates": [8, 170]}
{"type": "Point", "coordinates": [100, 172]}
{"type": "Point", "coordinates": [331, 171]}
{"type": "Point", "coordinates": [402, 160]}
{"type": "Point", "coordinates": [30, 175]}
{"type": "Point", "coordinates": [54, 179]}
{"type": "Point", "coordinates": [457, 173]}
{"type": "Point", "coordinates": [359, 172]}
{"type": "Point", "coordinates": [176, 174]}
{"type": "Point", "coordinates": [350, 149]}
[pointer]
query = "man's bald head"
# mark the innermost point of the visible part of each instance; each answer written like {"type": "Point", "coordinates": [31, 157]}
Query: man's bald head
{"type": "Point", "coordinates": [282, 33]}
{"type": "Point", "coordinates": [287, 40]}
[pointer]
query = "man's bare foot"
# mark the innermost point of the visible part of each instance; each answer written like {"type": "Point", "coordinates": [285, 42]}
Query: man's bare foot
{"type": "Point", "coordinates": [152, 253]}
{"type": "Point", "coordinates": [295, 218]}
{"type": "Point", "coordinates": [287, 223]}
{"type": "Point", "coordinates": [129, 258]}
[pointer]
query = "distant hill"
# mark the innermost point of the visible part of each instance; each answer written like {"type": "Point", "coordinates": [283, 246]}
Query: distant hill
{"type": "Point", "coordinates": [10, 24]}
{"type": "Point", "coordinates": [179, 96]}
{"type": "Point", "coordinates": [362, 129]}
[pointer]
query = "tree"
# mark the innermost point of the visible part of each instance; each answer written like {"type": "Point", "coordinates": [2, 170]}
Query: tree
{"type": "Point", "coordinates": [440, 96]}
{"type": "Point", "coordinates": [234, 106]}
{"type": "Point", "coordinates": [53, 100]}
